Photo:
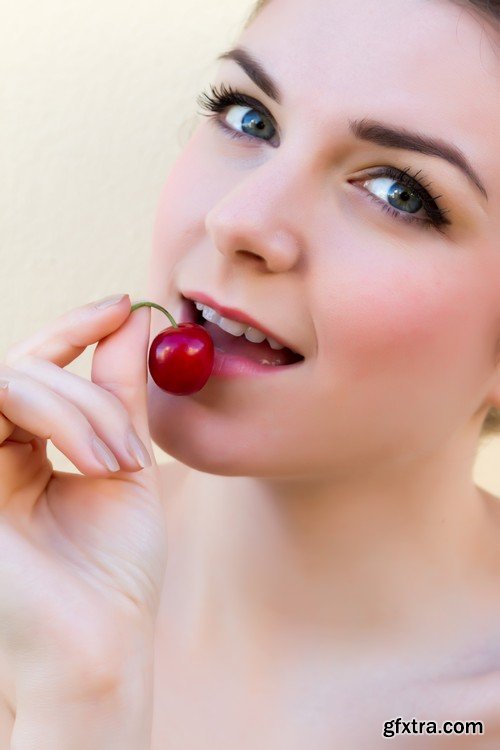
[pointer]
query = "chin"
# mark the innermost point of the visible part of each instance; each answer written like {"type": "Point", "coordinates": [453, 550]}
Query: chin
{"type": "Point", "coordinates": [174, 428]}
{"type": "Point", "coordinates": [210, 441]}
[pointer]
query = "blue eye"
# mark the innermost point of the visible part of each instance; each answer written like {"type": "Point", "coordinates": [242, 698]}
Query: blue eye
{"type": "Point", "coordinates": [397, 194]}
{"type": "Point", "coordinates": [401, 195]}
{"type": "Point", "coordinates": [254, 123]}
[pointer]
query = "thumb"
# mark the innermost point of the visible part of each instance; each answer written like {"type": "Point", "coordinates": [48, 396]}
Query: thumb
{"type": "Point", "coordinates": [120, 365]}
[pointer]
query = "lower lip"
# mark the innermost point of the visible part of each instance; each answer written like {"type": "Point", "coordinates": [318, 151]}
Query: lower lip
{"type": "Point", "coordinates": [228, 365]}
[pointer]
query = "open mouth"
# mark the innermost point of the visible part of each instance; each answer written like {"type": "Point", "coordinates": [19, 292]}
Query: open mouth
{"type": "Point", "coordinates": [240, 346]}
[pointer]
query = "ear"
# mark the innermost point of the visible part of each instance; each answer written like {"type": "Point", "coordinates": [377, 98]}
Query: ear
{"type": "Point", "coordinates": [492, 389]}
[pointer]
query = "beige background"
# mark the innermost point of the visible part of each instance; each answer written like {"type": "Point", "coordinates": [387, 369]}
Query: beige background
{"type": "Point", "coordinates": [96, 99]}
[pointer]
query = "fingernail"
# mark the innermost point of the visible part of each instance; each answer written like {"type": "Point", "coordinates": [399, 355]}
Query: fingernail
{"type": "Point", "coordinates": [108, 301]}
{"type": "Point", "coordinates": [138, 450]}
{"type": "Point", "coordinates": [104, 455]}
{"type": "Point", "coordinates": [4, 384]}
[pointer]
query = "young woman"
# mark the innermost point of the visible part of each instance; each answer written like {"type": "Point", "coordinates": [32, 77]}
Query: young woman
{"type": "Point", "coordinates": [317, 568]}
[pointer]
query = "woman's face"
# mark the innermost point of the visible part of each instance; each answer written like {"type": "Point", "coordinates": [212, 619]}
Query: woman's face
{"type": "Point", "coordinates": [304, 224]}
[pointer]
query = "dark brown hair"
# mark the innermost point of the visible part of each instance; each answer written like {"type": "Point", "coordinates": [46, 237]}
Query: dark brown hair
{"type": "Point", "coordinates": [490, 11]}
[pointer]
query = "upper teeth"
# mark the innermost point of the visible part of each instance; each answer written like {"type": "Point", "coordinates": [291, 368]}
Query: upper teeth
{"type": "Point", "coordinates": [235, 328]}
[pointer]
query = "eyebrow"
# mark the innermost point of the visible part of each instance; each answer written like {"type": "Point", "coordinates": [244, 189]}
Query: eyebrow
{"type": "Point", "coordinates": [366, 129]}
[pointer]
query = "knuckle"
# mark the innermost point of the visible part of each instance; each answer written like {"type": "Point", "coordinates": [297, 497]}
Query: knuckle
{"type": "Point", "coordinates": [106, 392]}
{"type": "Point", "coordinates": [20, 359]}
{"type": "Point", "coordinates": [5, 370]}
{"type": "Point", "coordinates": [17, 352]}
{"type": "Point", "coordinates": [66, 417]}
{"type": "Point", "coordinates": [12, 354]}
{"type": "Point", "coordinates": [103, 401]}
{"type": "Point", "coordinates": [128, 390]}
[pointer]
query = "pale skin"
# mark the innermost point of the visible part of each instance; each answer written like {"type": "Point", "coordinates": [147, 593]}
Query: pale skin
{"type": "Point", "coordinates": [331, 564]}
{"type": "Point", "coordinates": [326, 527]}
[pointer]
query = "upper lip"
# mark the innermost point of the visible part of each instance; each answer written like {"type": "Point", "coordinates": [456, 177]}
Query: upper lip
{"type": "Point", "coordinates": [234, 314]}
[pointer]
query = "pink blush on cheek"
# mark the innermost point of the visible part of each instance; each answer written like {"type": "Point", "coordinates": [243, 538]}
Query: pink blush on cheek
{"type": "Point", "coordinates": [385, 330]}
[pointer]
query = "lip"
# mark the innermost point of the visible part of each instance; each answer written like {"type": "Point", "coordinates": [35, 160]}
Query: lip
{"type": "Point", "coordinates": [228, 366]}
{"type": "Point", "coordinates": [235, 314]}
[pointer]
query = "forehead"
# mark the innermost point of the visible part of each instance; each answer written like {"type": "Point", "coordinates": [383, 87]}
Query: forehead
{"type": "Point", "coordinates": [431, 63]}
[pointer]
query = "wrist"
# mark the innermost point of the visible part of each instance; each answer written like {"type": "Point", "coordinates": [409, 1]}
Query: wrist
{"type": "Point", "coordinates": [106, 723]}
{"type": "Point", "coordinates": [75, 715]}
{"type": "Point", "coordinates": [86, 667]}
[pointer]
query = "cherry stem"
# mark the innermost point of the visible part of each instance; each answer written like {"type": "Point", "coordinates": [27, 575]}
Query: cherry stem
{"type": "Point", "coordinates": [158, 307]}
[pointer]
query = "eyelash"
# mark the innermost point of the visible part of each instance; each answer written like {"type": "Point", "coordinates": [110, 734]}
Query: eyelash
{"type": "Point", "coordinates": [219, 99]}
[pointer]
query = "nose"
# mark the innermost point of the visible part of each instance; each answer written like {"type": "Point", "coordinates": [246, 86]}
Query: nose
{"type": "Point", "coordinates": [260, 218]}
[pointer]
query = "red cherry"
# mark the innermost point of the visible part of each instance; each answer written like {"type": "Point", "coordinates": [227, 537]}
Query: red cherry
{"type": "Point", "coordinates": [181, 357]}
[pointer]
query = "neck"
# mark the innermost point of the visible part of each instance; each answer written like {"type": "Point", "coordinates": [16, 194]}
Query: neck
{"type": "Point", "coordinates": [367, 556]}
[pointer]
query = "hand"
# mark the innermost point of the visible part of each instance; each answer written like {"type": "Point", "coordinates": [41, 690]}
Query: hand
{"type": "Point", "coordinates": [82, 557]}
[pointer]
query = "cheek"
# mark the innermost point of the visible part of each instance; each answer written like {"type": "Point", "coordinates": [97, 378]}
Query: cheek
{"type": "Point", "coordinates": [414, 329]}
{"type": "Point", "coordinates": [184, 201]}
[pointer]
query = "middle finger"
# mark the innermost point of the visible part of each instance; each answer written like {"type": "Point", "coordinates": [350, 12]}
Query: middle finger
{"type": "Point", "coordinates": [104, 411]}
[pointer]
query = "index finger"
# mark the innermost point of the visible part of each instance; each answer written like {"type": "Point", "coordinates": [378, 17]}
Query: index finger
{"type": "Point", "coordinates": [63, 340]}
